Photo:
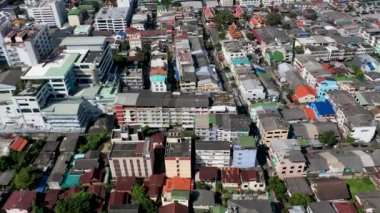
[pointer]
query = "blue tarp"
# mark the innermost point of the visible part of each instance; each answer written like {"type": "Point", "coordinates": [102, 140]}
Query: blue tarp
{"type": "Point", "coordinates": [42, 185]}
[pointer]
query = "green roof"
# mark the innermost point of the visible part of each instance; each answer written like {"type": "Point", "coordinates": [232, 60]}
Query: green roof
{"type": "Point", "coordinates": [180, 195]}
{"type": "Point", "coordinates": [218, 209]}
{"type": "Point", "coordinates": [247, 141]}
{"type": "Point", "coordinates": [65, 67]}
{"type": "Point", "coordinates": [276, 56]}
{"type": "Point", "coordinates": [265, 103]}
{"type": "Point", "coordinates": [212, 119]}
{"type": "Point", "coordinates": [304, 143]}
{"type": "Point", "coordinates": [75, 12]}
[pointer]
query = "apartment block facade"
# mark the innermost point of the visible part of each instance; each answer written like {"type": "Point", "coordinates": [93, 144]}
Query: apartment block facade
{"type": "Point", "coordinates": [131, 159]}
{"type": "Point", "coordinates": [212, 153]}
{"type": "Point", "coordinates": [178, 159]}
{"type": "Point", "coordinates": [159, 110]}
{"type": "Point", "coordinates": [49, 12]}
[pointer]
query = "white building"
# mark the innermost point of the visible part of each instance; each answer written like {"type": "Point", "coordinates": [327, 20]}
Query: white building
{"type": "Point", "coordinates": [93, 65]}
{"type": "Point", "coordinates": [123, 3]}
{"type": "Point", "coordinates": [232, 49]}
{"type": "Point", "coordinates": [29, 45]}
{"type": "Point", "coordinates": [246, 3]}
{"type": "Point", "coordinates": [353, 119]}
{"type": "Point", "coordinates": [159, 110]}
{"type": "Point", "coordinates": [212, 153]}
{"type": "Point", "coordinates": [112, 19]}
{"type": "Point", "coordinates": [251, 89]}
{"type": "Point", "coordinates": [227, 3]}
{"type": "Point", "coordinates": [50, 12]}
{"type": "Point", "coordinates": [5, 27]}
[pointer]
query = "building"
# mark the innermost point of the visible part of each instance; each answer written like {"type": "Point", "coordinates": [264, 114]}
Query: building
{"type": "Point", "coordinates": [212, 153]}
{"type": "Point", "coordinates": [75, 17]}
{"type": "Point", "coordinates": [330, 189]}
{"type": "Point", "coordinates": [298, 185]}
{"type": "Point", "coordinates": [252, 179]}
{"type": "Point", "coordinates": [48, 12]}
{"type": "Point", "coordinates": [272, 128]}
{"type": "Point", "coordinates": [311, 131]}
{"type": "Point", "coordinates": [159, 110]}
{"type": "Point", "coordinates": [369, 201]}
{"type": "Point", "coordinates": [243, 158]}
{"type": "Point", "coordinates": [202, 199]}
{"type": "Point", "coordinates": [286, 158]}
{"type": "Point", "coordinates": [304, 94]}
{"type": "Point", "coordinates": [174, 208]}
{"type": "Point", "coordinates": [221, 127]}
{"type": "Point", "coordinates": [316, 207]}
{"type": "Point", "coordinates": [232, 49]}
{"type": "Point", "coordinates": [158, 74]}
{"type": "Point", "coordinates": [178, 190]}
{"type": "Point", "coordinates": [58, 173]}
{"type": "Point", "coordinates": [5, 27]}
{"type": "Point", "coordinates": [28, 45]}
{"type": "Point", "coordinates": [132, 78]}
{"type": "Point", "coordinates": [20, 201]}
{"type": "Point", "coordinates": [352, 118]}
{"type": "Point", "coordinates": [112, 19]}
{"type": "Point", "coordinates": [249, 205]}
{"type": "Point", "coordinates": [131, 159]}
{"type": "Point", "coordinates": [251, 89]}
{"type": "Point", "coordinates": [230, 177]}
{"type": "Point", "coordinates": [178, 159]}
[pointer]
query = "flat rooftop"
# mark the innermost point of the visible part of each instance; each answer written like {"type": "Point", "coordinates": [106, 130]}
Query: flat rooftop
{"type": "Point", "coordinates": [69, 107]}
{"type": "Point", "coordinates": [83, 40]}
{"type": "Point", "coordinates": [112, 13]}
{"type": "Point", "coordinates": [54, 69]}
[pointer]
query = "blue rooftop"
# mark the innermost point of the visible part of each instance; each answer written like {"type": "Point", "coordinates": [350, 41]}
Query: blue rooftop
{"type": "Point", "coordinates": [42, 185]}
{"type": "Point", "coordinates": [260, 69]}
{"type": "Point", "coordinates": [244, 158]}
{"type": "Point", "coordinates": [240, 61]}
{"type": "Point", "coordinates": [323, 107]}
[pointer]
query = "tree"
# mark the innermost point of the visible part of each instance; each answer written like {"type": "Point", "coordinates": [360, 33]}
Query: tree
{"type": "Point", "coordinates": [299, 50]}
{"type": "Point", "coordinates": [222, 35]}
{"type": "Point", "coordinates": [79, 202]}
{"type": "Point", "coordinates": [350, 140]}
{"type": "Point", "coordinates": [218, 187]}
{"type": "Point", "coordinates": [119, 59]}
{"type": "Point", "coordinates": [273, 19]}
{"type": "Point", "coordinates": [93, 141]}
{"type": "Point", "coordinates": [201, 185]}
{"type": "Point", "coordinates": [224, 18]}
{"type": "Point", "coordinates": [140, 197]}
{"type": "Point", "coordinates": [313, 16]}
{"type": "Point", "coordinates": [24, 179]}
{"type": "Point", "coordinates": [250, 36]}
{"type": "Point", "coordinates": [328, 138]}
{"type": "Point", "coordinates": [358, 72]}
{"type": "Point", "coordinates": [125, 46]}
{"type": "Point", "coordinates": [300, 199]}
{"type": "Point", "coordinates": [278, 186]}
{"type": "Point", "coordinates": [286, 25]}
{"type": "Point", "coordinates": [37, 208]}
{"type": "Point", "coordinates": [292, 15]}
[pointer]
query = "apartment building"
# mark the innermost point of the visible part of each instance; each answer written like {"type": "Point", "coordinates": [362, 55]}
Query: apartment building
{"type": "Point", "coordinates": [178, 159]}
{"type": "Point", "coordinates": [272, 128]}
{"type": "Point", "coordinates": [212, 153]}
{"type": "Point", "coordinates": [221, 127]}
{"type": "Point", "coordinates": [131, 159]}
{"type": "Point", "coordinates": [50, 12]}
{"type": "Point", "coordinates": [28, 45]}
{"type": "Point", "coordinates": [158, 74]}
{"type": "Point", "coordinates": [159, 110]}
{"type": "Point", "coordinates": [70, 115]}
{"type": "Point", "coordinates": [94, 63]}
{"type": "Point", "coordinates": [286, 158]}
{"type": "Point", "coordinates": [353, 119]}
{"type": "Point", "coordinates": [232, 49]}
{"type": "Point", "coordinates": [5, 27]}
{"type": "Point", "coordinates": [185, 70]}
{"type": "Point", "coordinates": [112, 19]}
{"type": "Point", "coordinates": [132, 78]}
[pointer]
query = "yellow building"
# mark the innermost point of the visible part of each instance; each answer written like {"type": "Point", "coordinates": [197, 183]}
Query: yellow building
{"type": "Point", "coordinates": [272, 128]}
{"type": "Point", "coordinates": [75, 17]}
{"type": "Point", "coordinates": [178, 159]}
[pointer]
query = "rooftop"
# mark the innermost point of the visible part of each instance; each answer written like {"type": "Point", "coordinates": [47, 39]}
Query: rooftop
{"type": "Point", "coordinates": [123, 150]}
{"type": "Point", "coordinates": [212, 145]}
{"type": "Point", "coordinates": [182, 149]}
{"type": "Point", "coordinates": [112, 13]}
{"type": "Point", "coordinates": [69, 107]}
{"type": "Point", "coordinates": [56, 69]}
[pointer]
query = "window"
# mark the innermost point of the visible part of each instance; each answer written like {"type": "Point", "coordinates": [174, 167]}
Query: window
{"type": "Point", "coordinates": [291, 172]}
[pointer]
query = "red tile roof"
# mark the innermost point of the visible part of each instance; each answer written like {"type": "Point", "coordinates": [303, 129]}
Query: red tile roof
{"type": "Point", "coordinates": [155, 183]}
{"type": "Point", "coordinates": [302, 91]}
{"type": "Point", "coordinates": [99, 191]}
{"type": "Point", "coordinates": [118, 198]}
{"type": "Point", "coordinates": [344, 207]}
{"type": "Point", "coordinates": [70, 192]}
{"type": "Point", "coordinates": [310, 113]}
{"type": "Point", "coordinates": [95, 175]}
{"type": "Point", "coordinates": [19, 144]}
{"type": "Point", "coordinates": [239, 11]}
{"type": "Point", "coordinates": [124, 184]}
{"type": "Point", "coordinates": [158, 72]}
{"type": "Point", "coordinates": [234, 32]}
{"type": "Point", "coordinates": [20, 200]}
{"type": "Point", "coordinates": [51, 198]}
{"type": "Point", "coordinates": [249, 175]}
{"type": "Point", "coordinates": [208, 13]}
{"type": "Point", "coordinates": [208, 173]}
{"type": "Point", "coordinates": [231, 175]}
{"type": "Point", "coordinates": [174, 208]}
{"type": "Point", "coordinates": [177, 183]}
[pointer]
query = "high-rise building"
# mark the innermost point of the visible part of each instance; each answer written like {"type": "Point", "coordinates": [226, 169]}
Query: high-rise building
{"type": "Point", "coordinates": [50, 12]}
